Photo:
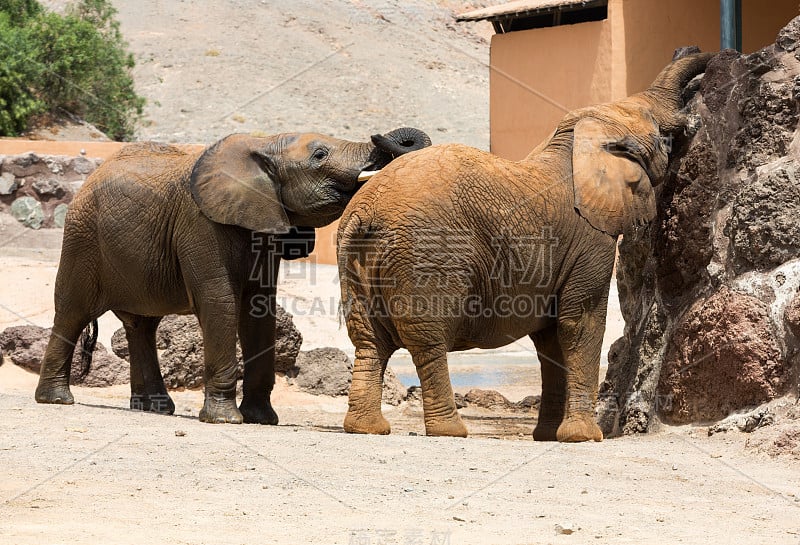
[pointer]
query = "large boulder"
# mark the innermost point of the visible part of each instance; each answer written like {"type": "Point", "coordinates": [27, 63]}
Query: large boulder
{"type": "Point", "coordinates": [709, 289]}
{"type": "Point", "coordinates": [488, 399]}
{"type": "Point", "coordinates": [182, 359]}
{"type": "Point", "coordinates": [25, 346]}
{"type": "Point", "coordinates": [328, 371]}
{"type": "Point", "coordinates": [322, 371]}
{"type": "Point", "coordinates": [181, 341]}
{"type": "Point", "coordinates": [722, 357]}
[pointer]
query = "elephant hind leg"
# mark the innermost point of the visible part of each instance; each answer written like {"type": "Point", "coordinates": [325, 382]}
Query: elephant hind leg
{"type": "Point", "coordinates": [148, 392]}
{"type": "Point", "coordinates": [374, 347]}
{"type": "Point", "coordinates": [364, 403]}
{"type": "Point", "coordinates": [56, 367]}
{"type": "Point", "coordinates": [554, 384]}
{"type": "Point", "coordinates": [438, 402]}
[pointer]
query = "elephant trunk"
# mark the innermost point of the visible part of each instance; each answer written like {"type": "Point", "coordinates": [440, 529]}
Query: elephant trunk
{"type": "Point", "coordinates": [396, 143]}
{"type": "Point", "coordinates": [665, 91]}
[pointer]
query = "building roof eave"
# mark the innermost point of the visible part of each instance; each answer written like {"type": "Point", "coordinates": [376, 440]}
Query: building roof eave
{"type": "Point", "coordinates": [525, 8]}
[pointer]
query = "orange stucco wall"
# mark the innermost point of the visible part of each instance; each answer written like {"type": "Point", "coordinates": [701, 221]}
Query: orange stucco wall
{"type": "Point", "coordinates": [537, 74]}
{"type": "Point", "coordinates": [761, 21]}
{"type": "Point", "coordinates": [324, 251]}
{"type": "Point", "coordinates": [654, 29]}
{"type": "Point", "coordinates": [649, 46]}
{"type": "Point", "coordinates": [97, 150]}
{"type": "Point", "coordinates": [325, 248]}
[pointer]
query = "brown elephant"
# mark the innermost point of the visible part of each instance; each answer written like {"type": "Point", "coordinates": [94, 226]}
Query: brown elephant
{"type": "Point", "coordinates": [451, 248]}
{"type": "Point", "coordinates": [158, 231]}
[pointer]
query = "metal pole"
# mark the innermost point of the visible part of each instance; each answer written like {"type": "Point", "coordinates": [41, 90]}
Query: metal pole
{"type": "Point", "coordinates": [730, 24]}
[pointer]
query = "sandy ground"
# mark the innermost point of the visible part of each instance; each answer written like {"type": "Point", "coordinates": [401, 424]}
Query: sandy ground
{"type": "Point", "coordinates": [96, 472]}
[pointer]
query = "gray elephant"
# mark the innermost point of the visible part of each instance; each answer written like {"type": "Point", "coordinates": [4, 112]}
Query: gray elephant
{"type": "Point", "coordinates": [158, 231]}
{"type": "Point", "coordinates": [451, 248]}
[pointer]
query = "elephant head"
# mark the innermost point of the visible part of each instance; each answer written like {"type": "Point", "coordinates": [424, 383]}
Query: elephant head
{"type": "Point", "coordinates": [269, 184]}
{"type": "Point", "coordinates": [620, 150]}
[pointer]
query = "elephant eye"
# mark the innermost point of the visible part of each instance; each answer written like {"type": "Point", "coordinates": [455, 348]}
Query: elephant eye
{"type": "Point", "coordinates": [320, 154]}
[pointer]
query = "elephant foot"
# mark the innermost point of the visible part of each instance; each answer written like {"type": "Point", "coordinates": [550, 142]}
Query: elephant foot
{"type": "Point", "coordinates": [451, 427]}
{"type": "Point", "coordinates": [578, 428]}
{"type": "Point", "coordinates": [58, 394]}
{"type": "Point", "coordinates": [156, 403]}
{"type": "Point", "coordinates": [375, 425]}
{"type": "Point", "coordinates": [219, 409]}
{"type": "Point", "coordinates": [545, 430]}
{"type": "Point", "coordinates": [258, 413]}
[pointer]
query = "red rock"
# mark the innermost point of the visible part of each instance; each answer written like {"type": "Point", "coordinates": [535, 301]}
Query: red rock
{"type": "Point", "coordinates": [722, 357]}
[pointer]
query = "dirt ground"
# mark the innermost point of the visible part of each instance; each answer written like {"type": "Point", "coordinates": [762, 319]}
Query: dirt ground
{"type": "Point", "coordinates": [99, 473]}
{"type": "Point", "coordinates": [96, 472]}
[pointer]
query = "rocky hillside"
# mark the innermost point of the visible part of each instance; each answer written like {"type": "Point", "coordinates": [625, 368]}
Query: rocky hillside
{"type": "Point", "coordinates": [344, 67]}
{"type": "Point", "coordinates": [709, 290]}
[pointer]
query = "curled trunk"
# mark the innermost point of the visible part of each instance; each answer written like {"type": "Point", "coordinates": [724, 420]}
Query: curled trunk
{"type": "Point", "coordinates": [398, 142]}
{"type": "Point", "coordinates": [666, 90]}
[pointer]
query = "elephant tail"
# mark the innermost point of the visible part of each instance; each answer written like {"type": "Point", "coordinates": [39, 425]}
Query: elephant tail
{"type": "Point", "coordinates": [87, 342]}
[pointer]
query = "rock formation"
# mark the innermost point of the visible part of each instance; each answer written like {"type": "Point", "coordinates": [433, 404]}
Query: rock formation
{"type": "Point", "coordinates": [37, 189]}
{"type": "Point", "coordinates": [709, 290]}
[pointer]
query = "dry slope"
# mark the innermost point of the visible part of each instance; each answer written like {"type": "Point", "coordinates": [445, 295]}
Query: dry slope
{"type": "Point", "coordinates": [344, 67]}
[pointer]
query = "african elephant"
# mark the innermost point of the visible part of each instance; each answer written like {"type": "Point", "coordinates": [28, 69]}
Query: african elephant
{"type": "Point", "coordinates": [156, 231]}
{"type": "Point", "coordinates": [451, 248]}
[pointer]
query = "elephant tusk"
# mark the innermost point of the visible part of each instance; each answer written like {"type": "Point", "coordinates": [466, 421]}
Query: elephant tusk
{"type": "Point", "coordinates": [366, 175]}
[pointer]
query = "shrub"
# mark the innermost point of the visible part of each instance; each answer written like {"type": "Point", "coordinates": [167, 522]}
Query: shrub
{"type": "Point", "coordinates": [75, 62]}
{"type": "Point", "coordinates": [20, 11]}
{"type": "Point", "coordinates": [18, 103]}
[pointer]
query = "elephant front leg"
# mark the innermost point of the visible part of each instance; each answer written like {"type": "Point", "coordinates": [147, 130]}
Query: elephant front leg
{"type": "Point", "coordinates": [364, 403]}
{"type": "Point", "coordinates": [580, 335]}
{"type": "Point", "coordinates": [554, 385]}
{"type": "Point", "coordinates": [438, 403]}
{"type": "Point", "coordinates": [218, 323]}
{"type": "Point", "coordinates": [257, 336]}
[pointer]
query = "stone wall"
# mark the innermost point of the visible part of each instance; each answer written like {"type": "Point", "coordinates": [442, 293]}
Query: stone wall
{"type": "Point", "coordinates": [37, 189]}
{"type": "Point", "coordinates": [709, 290]}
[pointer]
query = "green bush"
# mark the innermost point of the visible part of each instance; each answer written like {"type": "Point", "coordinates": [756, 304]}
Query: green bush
{"type": "Point", "coordinates": [75, 62]}
{"type": "Point", "coordinates": [17, 101]}
{"type": "Point", "coordinates": [20, 11]}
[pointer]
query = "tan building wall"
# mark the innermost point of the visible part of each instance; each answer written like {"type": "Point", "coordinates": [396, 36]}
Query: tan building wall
{"type": "Point", "coordinates": [537, 75]}
{"type": "Point", "coordinates": [654, 29]}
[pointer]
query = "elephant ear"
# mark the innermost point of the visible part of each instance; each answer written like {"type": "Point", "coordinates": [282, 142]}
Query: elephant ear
{"type": "Point", "coordinates": [612, 187]}
{"type": "Point", "coordinates": [231, 184]}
